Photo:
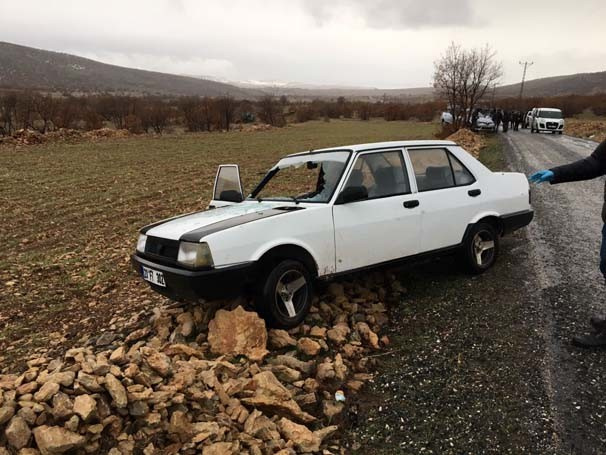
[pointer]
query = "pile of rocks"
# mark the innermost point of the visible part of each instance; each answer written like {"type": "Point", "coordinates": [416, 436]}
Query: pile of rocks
{"type": "Point", "coordinates": [105, 133]}
{"type": "Point", "coordinates": [470, 141]}
{"type": "Point", "coordinates": [33, 137]}
{"type": "Point", "coordinates": [194, 380]}
{"type": "Point", "coordinates": [256, 127]}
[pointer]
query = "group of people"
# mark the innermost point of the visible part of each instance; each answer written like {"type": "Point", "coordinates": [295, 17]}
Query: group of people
{"type": "Point", "coordinates": [501, 117]}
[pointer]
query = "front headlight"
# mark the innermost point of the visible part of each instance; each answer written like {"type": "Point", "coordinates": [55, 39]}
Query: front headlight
{"type": "Point", "coordinates": [141, 243]}
{"type": "Point", "coordinates": [194, 255]}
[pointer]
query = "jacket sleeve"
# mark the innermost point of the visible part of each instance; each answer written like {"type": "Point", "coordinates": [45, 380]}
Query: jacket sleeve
{"type": "Point", "coordinates": [585, 169]}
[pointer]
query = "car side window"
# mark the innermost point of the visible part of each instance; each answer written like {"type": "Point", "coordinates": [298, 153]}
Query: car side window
{"type": "Point", "coordinates": [432, 169]}
{"type": "Point", "coordinates": [382, 174]}
{"type": "Point", "coordinates": [462, 175]}
{"type": "Point", "coordinates": [436, 168]}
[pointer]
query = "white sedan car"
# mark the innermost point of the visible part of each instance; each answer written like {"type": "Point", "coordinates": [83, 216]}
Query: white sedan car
{"type": "Point", "coordinates": [323, 213]}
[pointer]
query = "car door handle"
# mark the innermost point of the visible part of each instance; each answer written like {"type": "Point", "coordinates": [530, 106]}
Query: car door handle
{"type": "Point", "coordinates": [474, 193]}
{"type": "Point", "coordinates": [411, 204]}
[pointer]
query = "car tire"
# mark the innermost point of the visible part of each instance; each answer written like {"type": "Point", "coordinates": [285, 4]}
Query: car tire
{"type": "Point", "coordinates": [559, 132]}
{"type": "Point", "coordinates": [280, 306]}
{"type": "Point", "coordinates": [481, 247]}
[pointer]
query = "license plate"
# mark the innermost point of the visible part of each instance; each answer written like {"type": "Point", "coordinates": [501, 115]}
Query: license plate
{"type": "Point", "coordinates": [153, 276]}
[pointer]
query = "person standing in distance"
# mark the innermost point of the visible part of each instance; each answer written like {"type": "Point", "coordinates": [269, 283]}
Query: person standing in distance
{"type": "Point", "coordinates": [584, 169]}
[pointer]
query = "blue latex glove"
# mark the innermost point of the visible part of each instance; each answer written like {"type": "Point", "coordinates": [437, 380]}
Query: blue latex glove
{"type": "Point", "coordinates": [541, 176]}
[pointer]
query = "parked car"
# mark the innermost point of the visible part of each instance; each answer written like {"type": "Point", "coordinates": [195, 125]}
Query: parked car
{"type": "Point", "coordinates": [547, 119]}
{"type": "Point", "coordinates": [484, 122]}
{"type": "Point", "coordinates": [320, 214]}
{"type": "Point", "coordinates": [446, 118]}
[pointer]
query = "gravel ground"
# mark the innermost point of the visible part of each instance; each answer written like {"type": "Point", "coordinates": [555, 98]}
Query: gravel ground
{"type": "Point", "coordinates": [484, 364]}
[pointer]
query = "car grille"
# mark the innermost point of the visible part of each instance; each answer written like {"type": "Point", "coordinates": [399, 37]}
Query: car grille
{"type": "Point", "coordinates": [163, 248]}
{"type": "Point", "coordinates": [553, 125]}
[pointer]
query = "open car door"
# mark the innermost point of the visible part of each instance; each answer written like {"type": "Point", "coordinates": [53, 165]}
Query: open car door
{"type": "Point", "coordinates": [228, 186]}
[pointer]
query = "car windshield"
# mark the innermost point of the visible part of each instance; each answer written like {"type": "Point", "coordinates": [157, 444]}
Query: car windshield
{"type": "Point", "coordinates": [310, 177]}
{"type": "Point", "coordinates": [550, 114]}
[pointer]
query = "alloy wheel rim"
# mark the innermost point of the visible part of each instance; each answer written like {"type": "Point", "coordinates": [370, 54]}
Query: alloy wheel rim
{"type": "Point", "coordinates": [483, 248]}
{"type": "Point", "coordinates": [291, 293]}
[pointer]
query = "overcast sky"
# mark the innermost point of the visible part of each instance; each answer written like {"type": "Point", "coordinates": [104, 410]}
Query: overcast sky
{"type": "Point", "coordinates": [381, 43]}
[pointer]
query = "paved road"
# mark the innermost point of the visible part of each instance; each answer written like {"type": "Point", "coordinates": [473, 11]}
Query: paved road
{"type": "Point", "coordinates": [564, 243]}
{"type": "Point", "coordinates": [484, 364]}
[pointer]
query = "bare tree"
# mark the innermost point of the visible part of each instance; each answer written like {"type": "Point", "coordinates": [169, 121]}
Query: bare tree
{"type": "Point", "coordinates": [25, 110]}
{"type": "Point", "coordinates": [156, 115]}
{"type": "Point", "coordinates": [462, 78]}
{"type": "Point", "coordinates": [226, 107]}
{"type": "Point", "coordinates": [8, 112]}
{"type": "Point", "coordinates": [45, 106]}
{"type": "Point", "coordinates": [270, 111]}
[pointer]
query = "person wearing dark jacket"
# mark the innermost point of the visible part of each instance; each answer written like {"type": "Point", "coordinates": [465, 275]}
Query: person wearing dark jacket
{"type": "Point", "coordinates": [585, 169]}
{"type": "Point", "coordinates": [506, 119]}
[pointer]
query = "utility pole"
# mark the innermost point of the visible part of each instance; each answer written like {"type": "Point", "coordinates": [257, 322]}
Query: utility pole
{"type": "Point", "coordinates": [526, 65]}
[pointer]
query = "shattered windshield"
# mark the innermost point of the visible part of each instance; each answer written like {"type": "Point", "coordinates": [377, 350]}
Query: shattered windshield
{"type": "Point", "coordinates": [312, 177]}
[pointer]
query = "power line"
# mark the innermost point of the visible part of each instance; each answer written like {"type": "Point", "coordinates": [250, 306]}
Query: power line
{"type": "Point", "coordinates": [526, 65]}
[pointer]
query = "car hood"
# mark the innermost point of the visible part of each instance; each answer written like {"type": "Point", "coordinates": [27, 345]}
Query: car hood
{"type": "Point", "coordinates": [485, 120]}
{"type": "Point", "coordinates": [194, 226]}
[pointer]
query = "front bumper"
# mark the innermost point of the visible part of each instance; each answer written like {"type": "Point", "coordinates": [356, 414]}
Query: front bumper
{"type": "Point", "coordinates": [216, 283]}
{"type": "Point", "coordinates": [515, 221]}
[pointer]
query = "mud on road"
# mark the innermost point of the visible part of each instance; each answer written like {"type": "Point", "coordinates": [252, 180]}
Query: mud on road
{"type": "Point", "coordinates": [484, 364]}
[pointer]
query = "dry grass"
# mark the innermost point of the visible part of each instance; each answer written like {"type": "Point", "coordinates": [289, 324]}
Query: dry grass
{"type": "Point", "coordinates": [594, 129]}
{"type": "Point", "coordinates": [71, 212]}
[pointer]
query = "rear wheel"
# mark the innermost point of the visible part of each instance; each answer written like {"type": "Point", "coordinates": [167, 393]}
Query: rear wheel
{"type": "Point", "coordinates": [481, 247]}
{"type": "Point", "coordinates": [285, 296]}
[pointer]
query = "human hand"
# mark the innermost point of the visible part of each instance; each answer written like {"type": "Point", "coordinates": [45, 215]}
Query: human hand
{"type": "Point", "coordinates": [541, 176]}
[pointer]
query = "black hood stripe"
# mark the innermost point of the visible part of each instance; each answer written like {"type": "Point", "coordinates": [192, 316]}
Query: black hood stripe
{"type": "Point", "coordinates": [144, 229]}
{"type": "Point", "coordinates": [197, 234]}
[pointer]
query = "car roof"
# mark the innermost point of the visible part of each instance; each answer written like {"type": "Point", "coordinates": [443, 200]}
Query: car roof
{"type": "Point", "coordinates": [380, 145]}
{"type": "Point", "coordinates": [549, 109]}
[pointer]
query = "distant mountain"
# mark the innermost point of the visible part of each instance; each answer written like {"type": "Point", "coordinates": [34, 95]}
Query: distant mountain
{"type": "Point", "coordinates": [573, 84]}
{"type": "Point", "coordinates": [309, 91]}
{"type": "Point", "coordinates": [26, 67]}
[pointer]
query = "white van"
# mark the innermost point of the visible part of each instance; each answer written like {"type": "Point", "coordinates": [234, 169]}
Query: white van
{"type": "Point", "coordinates": [547, 119]}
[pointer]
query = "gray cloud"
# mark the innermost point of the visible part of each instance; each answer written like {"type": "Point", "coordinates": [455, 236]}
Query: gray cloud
{"type": "Point", "coordinates": [381, 43]}
{"type": "Point", "coordinates": [394, 14]}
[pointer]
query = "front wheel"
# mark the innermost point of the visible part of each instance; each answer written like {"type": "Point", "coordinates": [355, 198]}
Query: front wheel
{"type": "Point", "coordinates": [286, 293]}
{"type": "Point", "coordinates": [559, 132]}
{"type": "Point", "coordinates": [481, 247]}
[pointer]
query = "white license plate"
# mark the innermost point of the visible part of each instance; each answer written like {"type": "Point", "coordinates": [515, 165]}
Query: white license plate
{"type": "Point", "coordinates": [153, 276]}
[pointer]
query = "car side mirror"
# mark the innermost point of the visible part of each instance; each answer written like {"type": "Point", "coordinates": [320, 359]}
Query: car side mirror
{"type": "Point", "coordinates": [228, 187]}
{"type": "Point", "coordinates": [352, 194]}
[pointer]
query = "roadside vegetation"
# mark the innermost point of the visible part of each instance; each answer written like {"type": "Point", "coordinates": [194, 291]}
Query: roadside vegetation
{"type": "Point", "coordinates": [71, 212]}
{"type": "Point", "coordinates": [492, 155]}
{"type": "Point", "coordinates": [592, 127]}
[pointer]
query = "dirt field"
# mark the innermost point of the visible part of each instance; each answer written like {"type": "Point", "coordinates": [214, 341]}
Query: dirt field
{"type": "Point", "coordinates": [70, 215]}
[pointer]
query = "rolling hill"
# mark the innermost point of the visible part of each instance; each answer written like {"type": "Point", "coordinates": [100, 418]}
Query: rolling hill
{"type": "Point", "coordinates": [28, 68]}
{"type": "Point", "coordinates": [23, 67]}
{"type": "Point", "coordinates": [573, 84]}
